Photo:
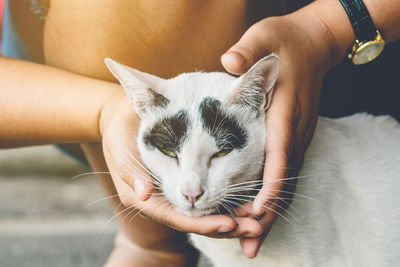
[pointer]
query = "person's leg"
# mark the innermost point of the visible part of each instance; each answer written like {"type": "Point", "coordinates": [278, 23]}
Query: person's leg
{"type": "Point", "coordinates": [140, 242]}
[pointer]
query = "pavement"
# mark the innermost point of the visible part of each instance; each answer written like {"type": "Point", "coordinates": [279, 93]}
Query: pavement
{"type": "Point", "coordinates": [49, 218]}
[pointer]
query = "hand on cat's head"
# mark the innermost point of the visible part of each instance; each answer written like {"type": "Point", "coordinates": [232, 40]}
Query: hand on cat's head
{"type": "Point", "coordinates": [119, 125]}
{"type": "Point", "coordinates": [184, 148]}
{"type": "Point", "coordinates": [306, 52]}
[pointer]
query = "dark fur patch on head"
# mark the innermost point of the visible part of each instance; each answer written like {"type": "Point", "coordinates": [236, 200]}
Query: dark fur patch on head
{"type": "Point", "coordinates": [226, 130]}
{"type": "Point", "coordinates": [168, 133]}
{"type": "Point", "coordinates": [158, 100]}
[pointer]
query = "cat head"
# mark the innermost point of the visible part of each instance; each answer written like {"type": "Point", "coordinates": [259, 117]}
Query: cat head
{"type": "Point", "coordinates": [201, 134]}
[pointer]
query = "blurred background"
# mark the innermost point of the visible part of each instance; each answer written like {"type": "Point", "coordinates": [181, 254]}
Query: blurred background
{"type": "Point", "coordinates": [44, 217]}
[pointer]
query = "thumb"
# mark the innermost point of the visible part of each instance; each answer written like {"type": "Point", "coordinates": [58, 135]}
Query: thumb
{"type": "Point", "coordinates": [143, 187]}
{"type": "Point", "coordinates": [253, 45]}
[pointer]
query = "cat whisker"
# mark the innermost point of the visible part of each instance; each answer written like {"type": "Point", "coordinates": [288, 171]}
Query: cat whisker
{"type": "Point", "coordinates": [240, 203]}
{"type": "Point", "coordinates": [95, 173]}
{"type": "Point", "coordinates": [88, 173]}
{"type": "Point", "coordinates": [218, 210]}
{"type": "Point", "coordinates": [271, 202]}
{"type": "Point", "coordinates": [283, 199]}
{"type": "Point", "coordinates": [279, 214]}
{"type": "Point", "coordinates": [229, 209]}
{"type": "Point", "coordinates": [159, 200]}
{"type": "Point", "coordinates": [289, 206]}
{"type": "Point", "coordinates": [273, 180]}
{"type": "Point", "coordinates": [113, 217]}
{"type": "Point", "coordinates": [280, 191]}
{"type": "Point", "coordinates": [247, 182]}
{"type": "Point", "coordinates": [165, 203]}
{"type": "Point", "coordinates": [117, 214]}
{"type": "Point", "coordinates": [153, 178]}
{"type": "Point", "coordinates": [270, 198]}
{"type": "Point", "coordinates": [261, 182]}
{"type": "Point", "coordinates": [99, 200]}
{"type": "Point", "coordinates": [125, 162]}
{"type": "Point", "coordinates": [255, 187]}
{"type": "Point", "coordinates": [141, 165]}
{"type": "Point", "coordinates": [292, 193]}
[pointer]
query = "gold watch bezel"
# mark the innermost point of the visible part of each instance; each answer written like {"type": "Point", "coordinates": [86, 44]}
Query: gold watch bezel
{"type": "Point", "coordinates": [359, 47]}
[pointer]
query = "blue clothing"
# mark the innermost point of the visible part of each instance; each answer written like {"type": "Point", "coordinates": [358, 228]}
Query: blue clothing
{"type": "Point", "coordinates": [13, 44]}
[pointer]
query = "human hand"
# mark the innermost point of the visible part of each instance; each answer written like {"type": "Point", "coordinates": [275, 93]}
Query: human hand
{"type": "Point", "coordinates": [306, 53]}
{"type": "Point", "coordinates": [118, 126]}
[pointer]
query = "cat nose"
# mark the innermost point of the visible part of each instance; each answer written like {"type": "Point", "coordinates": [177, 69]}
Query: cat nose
{"type": "Point", "coordinates": [193, 195]}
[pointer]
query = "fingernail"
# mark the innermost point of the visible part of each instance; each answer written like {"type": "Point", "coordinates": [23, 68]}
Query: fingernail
{"type": "Point", "coordinates": [234, 61]}
{"type": "Point", "coordinates": [258, 209]}
{"type": "Point", "coordinates": [224, 229]}
{"type": "Point", "coordinates": [233, 57]}
{"type": "Point", "coordinates": [139, 187]}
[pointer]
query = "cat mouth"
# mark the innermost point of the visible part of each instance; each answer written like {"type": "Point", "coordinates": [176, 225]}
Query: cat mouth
{"type": "Point", "coordinates": [219, 209]}
{"type": "Point", "coordinates": [198, 212]}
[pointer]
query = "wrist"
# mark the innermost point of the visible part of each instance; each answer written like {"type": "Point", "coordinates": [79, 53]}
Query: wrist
{"type": "Point", "coordinates": [116, 111]}
{"type": "Point", "coordinates": [331, 29]}
{"type": "Point", "coordinates": [108, 108]}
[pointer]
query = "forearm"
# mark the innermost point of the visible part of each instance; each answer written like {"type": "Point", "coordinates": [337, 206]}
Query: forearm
{"type": "Point", "coordinates": [331, 14]}
{"type": "Point", "coordinates": [44, 105]}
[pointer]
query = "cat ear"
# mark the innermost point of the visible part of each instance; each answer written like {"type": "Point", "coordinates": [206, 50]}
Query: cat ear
{"type": "Point", "coordinates": [141, 88]}
{"type": "Point", "coordinates": [256, 85]}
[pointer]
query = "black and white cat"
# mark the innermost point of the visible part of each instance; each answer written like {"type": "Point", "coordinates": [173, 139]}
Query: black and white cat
{"type": "Point", "coordinates": [204, 133]}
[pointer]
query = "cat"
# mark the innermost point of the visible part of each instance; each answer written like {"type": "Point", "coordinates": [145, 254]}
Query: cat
{"type": "Point", "coordinates": [202, 134]}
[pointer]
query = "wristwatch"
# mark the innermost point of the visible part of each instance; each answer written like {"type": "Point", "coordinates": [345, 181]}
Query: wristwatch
{"type": "Point", "coordinates": [369, 43]}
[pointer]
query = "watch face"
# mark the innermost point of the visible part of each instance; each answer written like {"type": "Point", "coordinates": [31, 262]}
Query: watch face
{"type": "Point", "coordinates": [367, 52]}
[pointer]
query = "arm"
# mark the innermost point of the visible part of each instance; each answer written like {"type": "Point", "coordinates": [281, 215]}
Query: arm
{"type": "Point", "coordinates": [309, 42]}
{"type": "Point", "coordinates": [43, 105]}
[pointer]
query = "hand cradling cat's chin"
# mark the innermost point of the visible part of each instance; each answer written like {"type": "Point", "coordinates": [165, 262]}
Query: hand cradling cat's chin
{"type": "Point", "coordinates": [187, 155]}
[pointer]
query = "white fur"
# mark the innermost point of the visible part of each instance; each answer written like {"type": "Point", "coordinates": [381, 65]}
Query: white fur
{"type": "Point", "coordinates": [351, 172]}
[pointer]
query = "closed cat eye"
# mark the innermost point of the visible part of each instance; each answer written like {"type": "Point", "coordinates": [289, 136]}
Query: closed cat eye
{"type": "Point", "coordinates": [222, 153]}
{"type": "Point", "coordinates": [168, 152]}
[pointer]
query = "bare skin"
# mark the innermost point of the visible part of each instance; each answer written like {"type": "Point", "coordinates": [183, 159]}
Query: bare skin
{"type": "Point", "coordinates": [164, 40]}
{"type": "Point", "coordinates": [183, 37]}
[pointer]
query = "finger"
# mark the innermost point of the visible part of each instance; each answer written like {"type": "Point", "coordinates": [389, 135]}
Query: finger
{"type": "Point", "coordinates": [143, 185]}
{"type": "Point", "coordinates": [250, 48]}
{"type": "Point", "coordinates": [279, 141]}
{"type": "Point", "coordinates": [273, 211]}
{"type": "Point", "coordinates": [206, 225]}
{"type": "Point", "coordinates": [245, 210]}
{"type": "Point", "coordinates": [247, 227]}
{"type": "Point", "coordinates": [135, 174]}
{"type": "Point", "coordinates": [251, 246]}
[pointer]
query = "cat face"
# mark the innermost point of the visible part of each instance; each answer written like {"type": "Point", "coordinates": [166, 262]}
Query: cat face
{"type": "Point", "coordinates": [201, 134]}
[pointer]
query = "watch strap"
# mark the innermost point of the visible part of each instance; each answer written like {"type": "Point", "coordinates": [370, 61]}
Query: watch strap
{"type": "Point", "coordinates": [360, 19]}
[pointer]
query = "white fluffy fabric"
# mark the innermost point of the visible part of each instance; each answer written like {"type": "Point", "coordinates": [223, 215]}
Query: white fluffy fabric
{"type": "Point", "coordinates": [346, 211]}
